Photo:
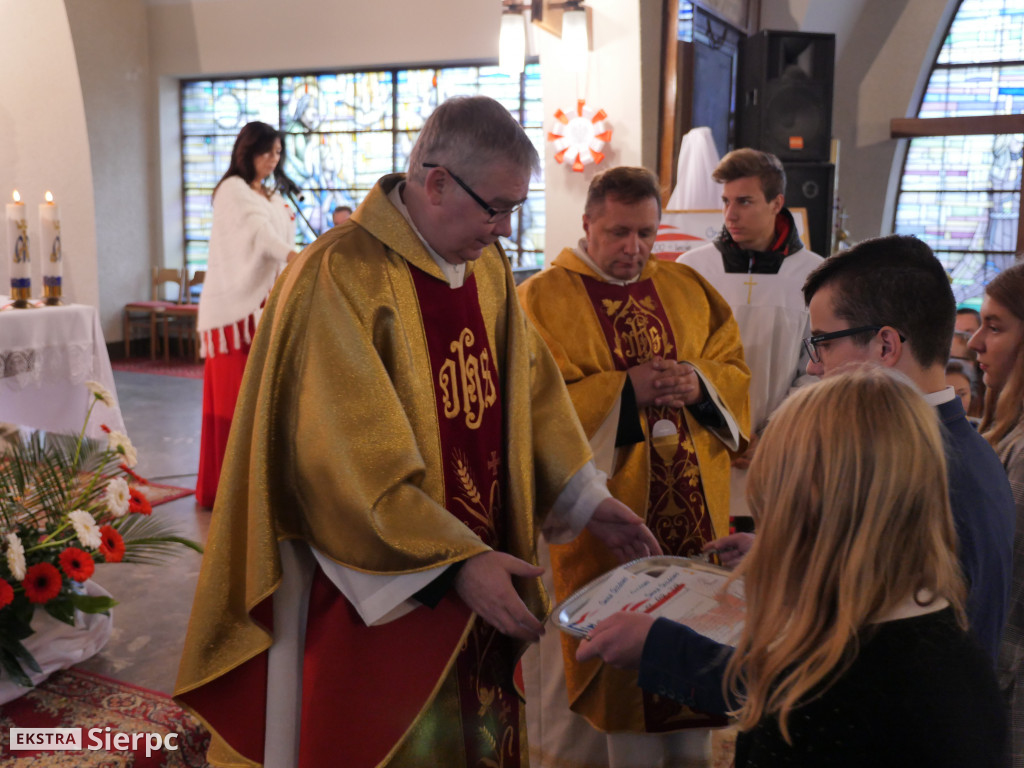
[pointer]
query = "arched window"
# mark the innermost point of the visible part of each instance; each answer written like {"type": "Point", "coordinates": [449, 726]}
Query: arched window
{"type": "Point", "coordinates": [961, 194]}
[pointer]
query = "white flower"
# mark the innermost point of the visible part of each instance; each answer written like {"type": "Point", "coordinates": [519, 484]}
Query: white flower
{"type": "Point", "coordinates": [119, 443]}
{"type": "Point", "coordinates": [86, 529]}
{"type": "Point", "coordinates": [118, 497]}
{"type": "Point", "coordinates": [101, 393]}
{"type": "Point", "coordinates": [15, 556]}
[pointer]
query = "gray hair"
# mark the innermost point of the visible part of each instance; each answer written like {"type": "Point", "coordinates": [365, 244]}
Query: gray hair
{"type": "Point", "coordinates": [468, 133]}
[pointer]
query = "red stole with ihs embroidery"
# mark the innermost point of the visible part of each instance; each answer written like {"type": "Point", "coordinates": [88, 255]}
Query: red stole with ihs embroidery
{"type": "Point", "coordinates": [637, 329]}
{"type": "Point", "coordinates": [469, 416]}
{"type": "Point", "coordinates": [345, 721]}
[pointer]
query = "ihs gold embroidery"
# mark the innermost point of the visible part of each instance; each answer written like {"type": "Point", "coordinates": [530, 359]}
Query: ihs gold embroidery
{"type": "Point", "coordinates": [466, 381]}
{"type": "Point", "coordinates": [639, 332]}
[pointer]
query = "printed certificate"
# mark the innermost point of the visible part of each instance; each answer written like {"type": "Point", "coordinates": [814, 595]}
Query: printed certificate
{"type": "Point", "coordinates": [687, 590]}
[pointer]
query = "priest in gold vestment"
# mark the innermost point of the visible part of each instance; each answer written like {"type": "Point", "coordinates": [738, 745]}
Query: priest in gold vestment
{"type": "Point", "coordinates": [653, 361]}
{"type": "Point", "coordinates": [401, 436]}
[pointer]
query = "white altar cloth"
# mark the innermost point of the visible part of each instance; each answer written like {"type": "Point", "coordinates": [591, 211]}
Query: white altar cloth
{"type": "Point", "coordinates": [46, 356]}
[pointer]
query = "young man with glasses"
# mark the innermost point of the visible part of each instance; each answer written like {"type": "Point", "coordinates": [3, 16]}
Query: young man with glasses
{"type": "Point", "coordinates": [654, 366]}
{"type": "Point", "coordinates": [888, 301]}
{"type": "Point", "coordinates": [402, 436]}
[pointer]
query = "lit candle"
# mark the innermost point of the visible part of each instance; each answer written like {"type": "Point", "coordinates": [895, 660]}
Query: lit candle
{"type": "Point", "coordinates": [17, 246]}
{"type": "Point", "coordinates": [49, 245]}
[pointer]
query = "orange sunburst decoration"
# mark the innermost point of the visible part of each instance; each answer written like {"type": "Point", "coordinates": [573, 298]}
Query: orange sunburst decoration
{"type": "Point", "coordinates": [579, 138]}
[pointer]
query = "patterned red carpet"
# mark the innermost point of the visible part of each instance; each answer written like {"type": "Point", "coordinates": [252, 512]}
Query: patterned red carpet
{"type": "Point", "coordinates": [156, 493]}
{"type": "Point", "coordinates": [103, 708]}
{"type": "Point", "coordinates": [181, 368]}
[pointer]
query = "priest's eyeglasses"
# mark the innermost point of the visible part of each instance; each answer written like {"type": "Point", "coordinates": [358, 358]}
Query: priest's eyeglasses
{"type": "Point", "coordinates": [811, 343]}
{"type": "Point", "coordinates": [493, 213]}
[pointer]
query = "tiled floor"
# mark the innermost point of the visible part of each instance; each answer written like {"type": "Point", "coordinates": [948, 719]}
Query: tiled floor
{"type": "Point", "coordinates": [162, 417]}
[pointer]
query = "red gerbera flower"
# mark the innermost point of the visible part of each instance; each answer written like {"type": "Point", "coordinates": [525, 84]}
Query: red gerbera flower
{"type": "Point", "coordinates": [138, 503]}
{"type": "Point", "coordinates": [77, 564]}
{"type": "Point", "coordinates": [6, 594]}
{"type": "Point", "coordinates": [112, 545]}
{"type": "Point", "coordinates": [42, 583]}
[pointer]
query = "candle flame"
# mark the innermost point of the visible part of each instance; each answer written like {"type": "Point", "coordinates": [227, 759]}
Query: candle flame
{"type": "Point", "coordinates": [49, 197]}
{"type": "Point", "coordinates": [16, 196]}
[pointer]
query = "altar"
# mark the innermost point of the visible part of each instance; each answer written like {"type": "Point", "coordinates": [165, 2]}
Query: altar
{"type": "Point", "coordinates": [46, 356]}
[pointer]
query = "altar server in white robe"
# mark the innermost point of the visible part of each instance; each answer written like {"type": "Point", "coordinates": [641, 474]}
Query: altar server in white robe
{"type": "Point", "coordinates": [758, 264]}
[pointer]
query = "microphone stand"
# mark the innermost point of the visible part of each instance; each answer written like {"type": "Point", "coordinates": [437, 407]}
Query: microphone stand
{"type": "Point", "coordinates": [298, 210]}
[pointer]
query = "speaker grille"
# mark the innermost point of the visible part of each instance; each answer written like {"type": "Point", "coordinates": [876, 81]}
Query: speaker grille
{"type": "Point", "coordinates": [784, 103]}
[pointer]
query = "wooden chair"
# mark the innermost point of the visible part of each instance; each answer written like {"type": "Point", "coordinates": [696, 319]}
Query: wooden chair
{"type": "Point", "coordinates": [183, 316]}
{"type": "Point", "coordinates": [151, 312]}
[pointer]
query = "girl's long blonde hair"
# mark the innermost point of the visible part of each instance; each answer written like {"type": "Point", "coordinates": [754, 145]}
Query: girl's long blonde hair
{"type": "Point", "coordinates": [1004, 409]}
{"type": "Point", "coordinates": [848, 489]}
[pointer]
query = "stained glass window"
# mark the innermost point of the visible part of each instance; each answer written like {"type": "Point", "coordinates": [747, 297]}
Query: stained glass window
{"type": "Point", "coordinates": [343, 131]}
{"type": "Point", "coordinates": [961, 194]}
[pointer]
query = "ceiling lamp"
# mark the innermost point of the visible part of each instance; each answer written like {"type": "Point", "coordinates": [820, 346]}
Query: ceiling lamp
{"type": "Point", "coordinates": [512, 40]}
{"type": "Point", "coordinates": [575, 42]}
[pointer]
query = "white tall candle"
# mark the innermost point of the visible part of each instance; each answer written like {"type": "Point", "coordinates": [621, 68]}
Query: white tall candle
{"type": "Point", "coordinates": [17, 243]}
{"type": "Point", "coordinates": [49, 241]}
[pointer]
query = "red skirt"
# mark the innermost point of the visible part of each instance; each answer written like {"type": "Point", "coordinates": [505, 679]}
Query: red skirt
{"type": "Point", "coordinates": [222, 381]}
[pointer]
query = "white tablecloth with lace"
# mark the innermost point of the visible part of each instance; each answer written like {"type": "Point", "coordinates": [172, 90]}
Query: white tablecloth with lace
{"type": "Point", "coordinates": [46, 356]}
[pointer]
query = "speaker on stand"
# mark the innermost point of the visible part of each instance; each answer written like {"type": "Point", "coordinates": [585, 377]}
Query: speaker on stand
{"type": "Point", "coordinates": [784, 106]}
{"type": "Point", "coordinates": [784, 94]}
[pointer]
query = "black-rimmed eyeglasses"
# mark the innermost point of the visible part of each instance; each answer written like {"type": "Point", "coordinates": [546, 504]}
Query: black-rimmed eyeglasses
{"type": "Point", "coordinates": [811, 343]}
{"type": "Point", "coordinates": [493, 213]}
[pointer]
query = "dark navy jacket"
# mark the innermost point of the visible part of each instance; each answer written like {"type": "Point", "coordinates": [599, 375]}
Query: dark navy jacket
{"type": "Point", "coordinates": [985, 518]}
{"type": "Point", "coordinates": [686, 666]}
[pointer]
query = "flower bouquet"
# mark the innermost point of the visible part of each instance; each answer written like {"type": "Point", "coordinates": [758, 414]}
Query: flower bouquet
{"type": "Point", "coordinates": [65, 504]}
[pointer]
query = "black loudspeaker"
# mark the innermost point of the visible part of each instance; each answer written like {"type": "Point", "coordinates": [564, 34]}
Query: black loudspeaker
{"type": "Point", "coordinates": [810, 186]}
{"type": "Point", "coordinates": [784, 94]}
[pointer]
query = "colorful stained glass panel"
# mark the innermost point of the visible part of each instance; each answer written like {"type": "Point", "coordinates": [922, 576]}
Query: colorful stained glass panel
{"type": "Point", "coordinates": [985, 30]}
{"type": "Point", "coordinates": [343, 131]}
{"type": "Point", "coordinates": [961, 194]}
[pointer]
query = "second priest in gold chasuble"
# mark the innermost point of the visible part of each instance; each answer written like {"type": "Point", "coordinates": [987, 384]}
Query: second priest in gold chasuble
{"type": "Point", "coordinates": [652, 359]}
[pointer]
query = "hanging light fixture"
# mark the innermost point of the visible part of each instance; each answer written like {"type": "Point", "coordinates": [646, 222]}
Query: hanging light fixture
{"type": "Point", "coordinates": [575, 42]}
{"type": "Point", "coordinates": [512, 40]}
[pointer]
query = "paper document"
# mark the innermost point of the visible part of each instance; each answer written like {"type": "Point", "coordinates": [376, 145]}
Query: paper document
{"type": "Point", "coordinates": [677, 588]}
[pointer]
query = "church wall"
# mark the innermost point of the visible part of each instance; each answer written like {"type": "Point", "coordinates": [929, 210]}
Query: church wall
{"type": "Point", "coordinates": [110, 40]}
{"type": "Point", "coordinates": [217, 37]}
{"type": "Point", "coordinates": [45, 143]}
{"type": "Point", "coordinates": [610, 83]}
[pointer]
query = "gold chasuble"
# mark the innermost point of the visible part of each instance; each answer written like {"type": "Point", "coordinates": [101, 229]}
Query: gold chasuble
{"type": "Point", "coordinates": [394, 425]}
{"type": "Point", "coordinates": [677, 481]}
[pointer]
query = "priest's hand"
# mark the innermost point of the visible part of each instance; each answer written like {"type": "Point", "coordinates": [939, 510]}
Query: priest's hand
{"type": "Point", "coordinates": [485, 585]}
{"type": "Point", "coordinates": [732, 548]}
{"type": "Point", "coordinates": [619, 640]}
{"type": "Point", "coordinates": [742, 461]}
{"type": "Point", "coordinates": [665, 382]}
{"type": "Point", "coordinates": [686, 387]}
{"type": "Point", "coordinates": [622, 531]}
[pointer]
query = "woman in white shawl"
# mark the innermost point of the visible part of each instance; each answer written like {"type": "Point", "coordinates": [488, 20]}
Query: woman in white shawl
{"type": "Point", "coordinates": [253, 238]}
